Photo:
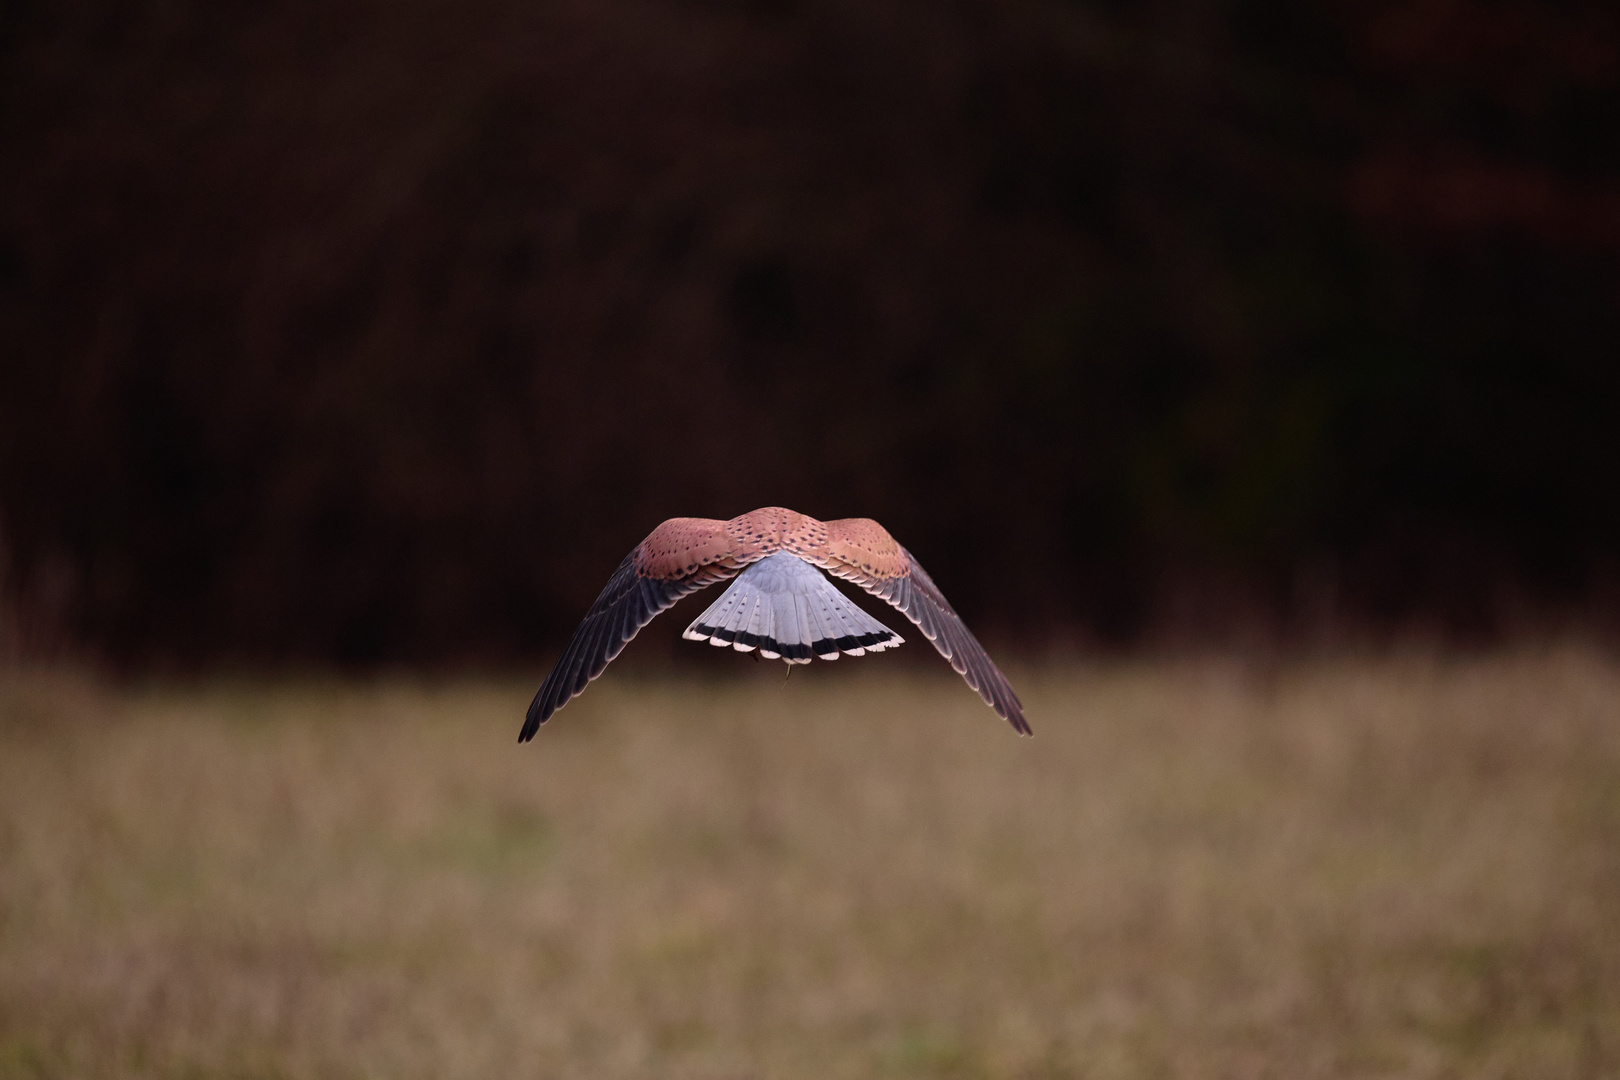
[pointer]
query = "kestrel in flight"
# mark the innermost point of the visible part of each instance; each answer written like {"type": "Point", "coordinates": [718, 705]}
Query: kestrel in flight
{"type": "Point", "coordinates": [780, 603]}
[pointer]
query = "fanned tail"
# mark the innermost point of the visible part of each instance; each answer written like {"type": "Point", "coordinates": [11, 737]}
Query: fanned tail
{"type": "Point", "coordinates": [786, 609]}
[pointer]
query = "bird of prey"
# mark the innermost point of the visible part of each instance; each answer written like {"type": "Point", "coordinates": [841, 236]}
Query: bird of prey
{"type": "Point", "coordinates": [780, 603]}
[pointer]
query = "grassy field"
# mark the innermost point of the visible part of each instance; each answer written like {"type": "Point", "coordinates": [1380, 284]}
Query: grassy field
{"type": "Point", "coordinates": [1354, 868]}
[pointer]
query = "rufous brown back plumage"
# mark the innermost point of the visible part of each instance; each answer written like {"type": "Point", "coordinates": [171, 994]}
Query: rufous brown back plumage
{"type": "Point", "coordinates": [686, 554]}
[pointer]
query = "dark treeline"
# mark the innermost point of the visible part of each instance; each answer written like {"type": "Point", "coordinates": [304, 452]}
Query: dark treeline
{"type": "Point", "coordinates": [353, 331]}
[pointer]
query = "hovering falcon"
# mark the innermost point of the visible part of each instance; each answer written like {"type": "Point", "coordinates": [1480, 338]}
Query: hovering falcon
{"type": "Point", "coordinates": [780, 603]}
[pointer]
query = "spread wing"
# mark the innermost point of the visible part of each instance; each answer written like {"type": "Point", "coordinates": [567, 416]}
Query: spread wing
{"type": "Point", "coordinates": [862, 551]}
{"type": "Point", "coordinates": [680, 556]}
{"type": "Point", "coordinates": [685, 554]}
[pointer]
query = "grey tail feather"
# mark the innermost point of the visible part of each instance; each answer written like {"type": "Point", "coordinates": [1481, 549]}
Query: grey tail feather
{"type": "Point", "coordinates": [792, 620]}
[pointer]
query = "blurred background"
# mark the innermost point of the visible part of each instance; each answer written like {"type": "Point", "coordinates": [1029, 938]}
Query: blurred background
{"type": "Point", "coordinates": [1245, 371]}
{"type": "Point", "coordinates": [356, 332]}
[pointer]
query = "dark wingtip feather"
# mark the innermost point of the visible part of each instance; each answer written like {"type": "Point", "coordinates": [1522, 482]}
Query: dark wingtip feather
{"type": "Point", "coordinates": [1014, 715]}
{"type": "Point", "coordinates": [537, 715]}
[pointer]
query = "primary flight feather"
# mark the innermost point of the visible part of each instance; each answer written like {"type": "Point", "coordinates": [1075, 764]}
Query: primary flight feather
{"type": "Point", "coordinates": [780, 604]}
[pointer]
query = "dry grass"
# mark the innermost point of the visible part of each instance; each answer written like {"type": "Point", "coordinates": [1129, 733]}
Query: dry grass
{"type": "Point", "coordinates": [1401, 868]}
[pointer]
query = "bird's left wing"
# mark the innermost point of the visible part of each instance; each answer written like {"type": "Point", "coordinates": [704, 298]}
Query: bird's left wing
{"type": "Point", "coordinates": [680, 556]}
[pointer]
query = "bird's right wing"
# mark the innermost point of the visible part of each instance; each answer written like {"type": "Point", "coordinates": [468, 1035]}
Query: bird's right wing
{"type": "Point", "coordinates": [680, 556]}
{"type": "Point", "coordinates": [862, 551]}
